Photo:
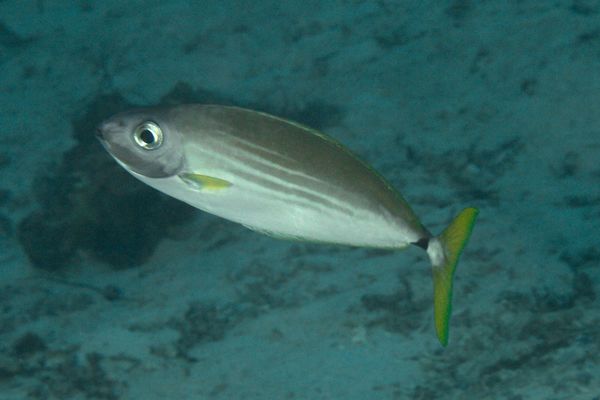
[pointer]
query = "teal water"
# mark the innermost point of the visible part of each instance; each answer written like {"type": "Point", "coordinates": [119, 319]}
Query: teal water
{"type": "Point", "coordinates": [110, 290]}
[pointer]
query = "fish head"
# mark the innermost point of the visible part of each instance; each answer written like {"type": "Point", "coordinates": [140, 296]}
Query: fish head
{"type": "Point", "coordinates": [144, 141]}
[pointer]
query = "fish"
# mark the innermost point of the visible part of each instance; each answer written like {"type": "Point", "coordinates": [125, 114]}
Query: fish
{"type": "Point", "coordinates": [280, 178]}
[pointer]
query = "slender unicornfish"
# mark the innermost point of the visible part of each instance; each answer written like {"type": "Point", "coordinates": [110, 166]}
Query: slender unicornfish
{"type": "Point", "coordinates": [280, 178]}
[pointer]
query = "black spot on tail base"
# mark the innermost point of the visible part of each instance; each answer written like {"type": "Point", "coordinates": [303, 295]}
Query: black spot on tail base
{"type": "Point", "coordinates": [422, 243]}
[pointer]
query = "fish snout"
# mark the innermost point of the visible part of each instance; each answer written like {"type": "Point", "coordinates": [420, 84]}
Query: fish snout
{"type": "Point", "coordinates": [104, 135]}
{"type": "Point", "coordinates": [103, 129]}
{"type": "Point", "coordinates": [99, 134]}
{"type": "Point", "coordinates": [107, 131]}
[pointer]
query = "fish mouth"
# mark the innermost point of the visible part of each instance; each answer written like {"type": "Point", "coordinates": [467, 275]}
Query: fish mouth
{"type": "Point", "coordinates": [98, 134]}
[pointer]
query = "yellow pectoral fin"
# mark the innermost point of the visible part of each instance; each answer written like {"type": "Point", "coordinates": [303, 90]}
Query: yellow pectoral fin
{"type": "Point", "coordinates": [204, 182]}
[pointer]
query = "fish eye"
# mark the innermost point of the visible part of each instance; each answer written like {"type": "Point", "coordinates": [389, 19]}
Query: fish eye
{"type": "Point", "coordinates": [148, 135]}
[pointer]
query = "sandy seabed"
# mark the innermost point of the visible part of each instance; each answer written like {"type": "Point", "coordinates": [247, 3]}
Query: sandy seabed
{"type": "Point", "coordinates": [457, 103]}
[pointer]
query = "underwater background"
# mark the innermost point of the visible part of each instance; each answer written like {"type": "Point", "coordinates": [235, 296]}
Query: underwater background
{"type": "Point", "coordinates": [111, 290]}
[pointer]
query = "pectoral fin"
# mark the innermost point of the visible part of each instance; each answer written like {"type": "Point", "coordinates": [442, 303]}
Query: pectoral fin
{"type": "Point", "coordinates": [203, 182]}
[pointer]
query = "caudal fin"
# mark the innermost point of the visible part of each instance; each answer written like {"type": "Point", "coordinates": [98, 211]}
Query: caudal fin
{"type": "Point", "coordinates": [444, 252]}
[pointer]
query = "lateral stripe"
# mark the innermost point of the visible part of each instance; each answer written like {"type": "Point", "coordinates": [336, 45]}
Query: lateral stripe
{"type": "Point", "coordinates": [262, 175]}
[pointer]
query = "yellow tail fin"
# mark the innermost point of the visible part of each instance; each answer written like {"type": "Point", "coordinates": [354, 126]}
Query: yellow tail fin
{"type": "Point", "coordinates": [444, 252]}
